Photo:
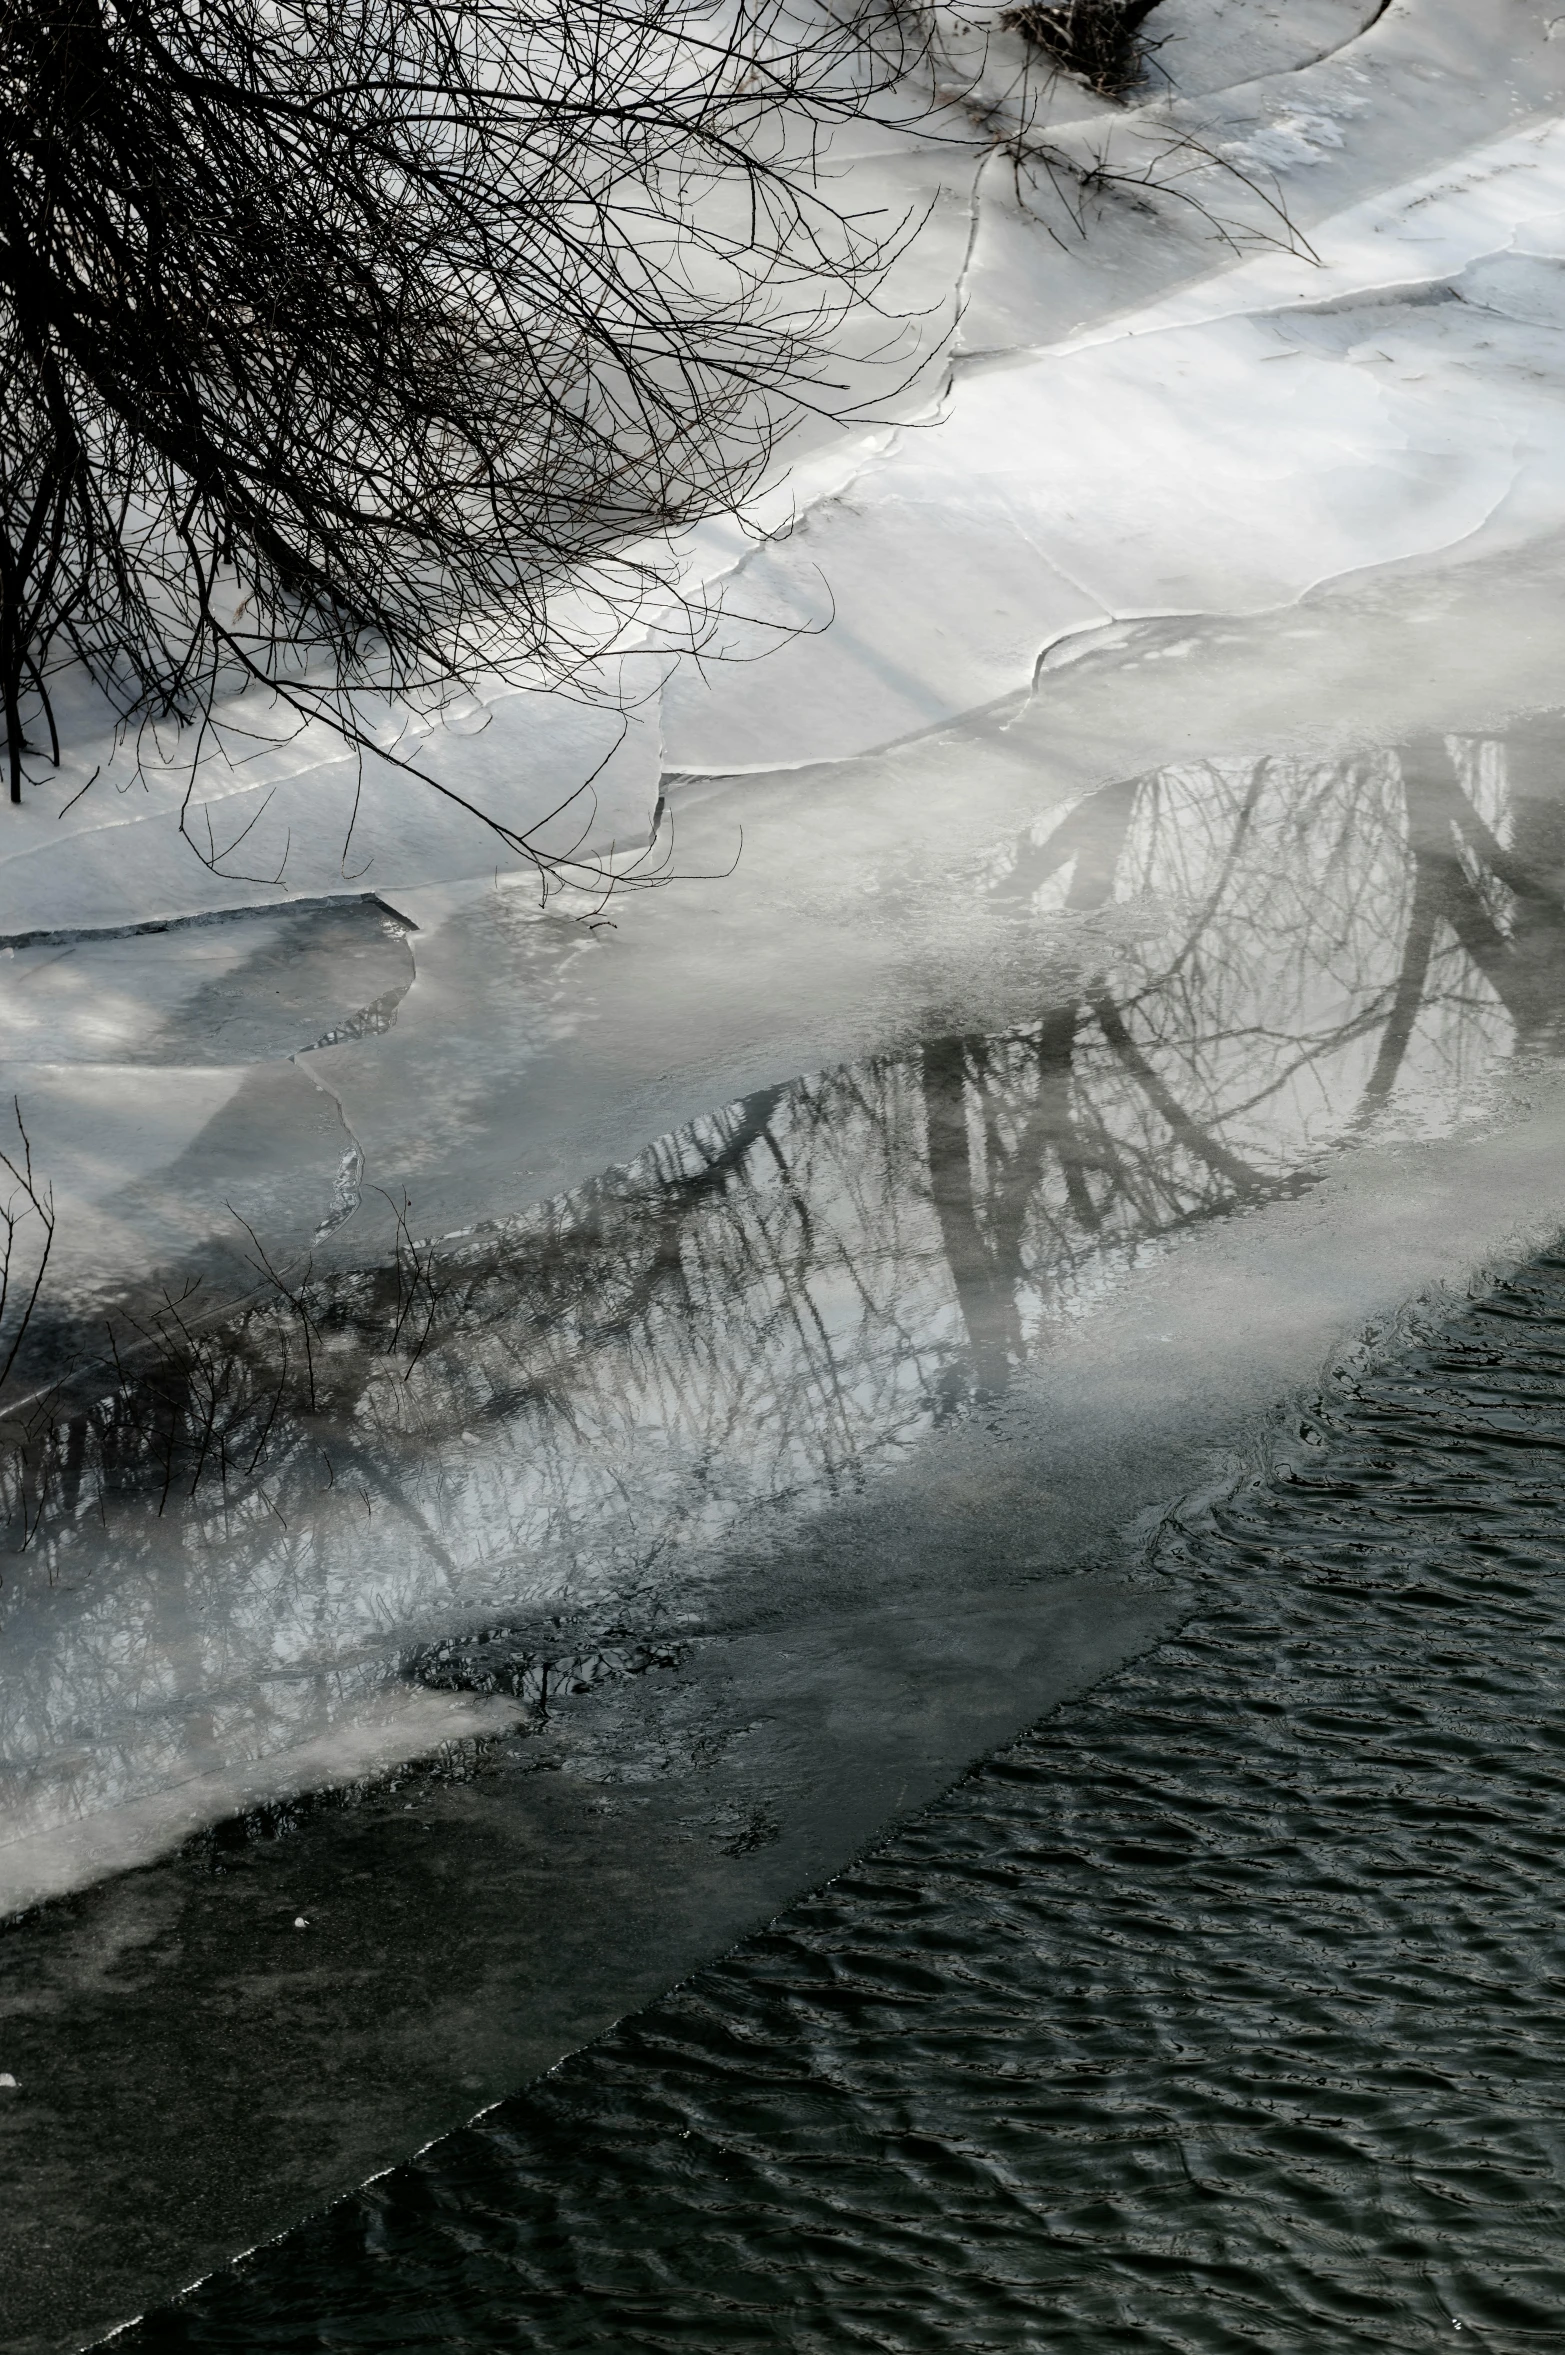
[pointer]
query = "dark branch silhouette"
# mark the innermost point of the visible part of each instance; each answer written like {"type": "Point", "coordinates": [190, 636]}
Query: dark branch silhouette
{"type": "Point", "coordinates": [340, 337]}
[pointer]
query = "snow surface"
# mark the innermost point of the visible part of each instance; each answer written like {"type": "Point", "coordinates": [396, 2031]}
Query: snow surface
{"type": "Point", "coordinates": [1292, 421]}
{"type": "Point", "coordinates": [1165, 511]}
{"type": "Point", "coordinates": [1026, 495]}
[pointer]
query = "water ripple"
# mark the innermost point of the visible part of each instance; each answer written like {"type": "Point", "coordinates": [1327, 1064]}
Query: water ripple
{"type": "Point", "coordinates": [1222, 2012]}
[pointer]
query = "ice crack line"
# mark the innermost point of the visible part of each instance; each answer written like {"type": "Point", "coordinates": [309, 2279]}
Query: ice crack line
{"type": "Point", "coordinates": [373, 1020]}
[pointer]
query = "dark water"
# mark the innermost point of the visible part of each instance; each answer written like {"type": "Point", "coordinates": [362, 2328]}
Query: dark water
{"type": "Point", "coordinates": [1223, 2011]}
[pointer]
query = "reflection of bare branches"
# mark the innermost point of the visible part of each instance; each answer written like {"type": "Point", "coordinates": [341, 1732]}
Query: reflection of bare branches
{"type": "Point", "coordinates": [1520, 959]}
{"type": "Point", "coordinates": [790, 1290]}
{"type": "Point", "coordinates": [766, 1300]}
{"type": "Point", "coordinates": [31, 1200]}
{"type": "Point", "coordinates": [296, 1298]}
{"type": "Point", "coordinates": [1054, 1118]}
{"type": "Point", "coordinates": [420, 1289]}
{"type": "Point", "coordinates": [1185, 1078]}
{"type": "Point", "coordinates": [1189, 1132]}
{"type": "Point", "coordinates": [985, 1285]}
{"type": "Point", "coordinates": [1412, 977]}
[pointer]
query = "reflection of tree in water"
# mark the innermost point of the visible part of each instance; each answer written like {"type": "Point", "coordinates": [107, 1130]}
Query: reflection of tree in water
{"type": "Point", "coordinates": [1337, 946]}
{"type": "Point", "coordinates": [1310, 951]}
{"type": "Point", "coordinates": [1271, 957]}
{"type": "Point", "coordinates": [1274, 955]}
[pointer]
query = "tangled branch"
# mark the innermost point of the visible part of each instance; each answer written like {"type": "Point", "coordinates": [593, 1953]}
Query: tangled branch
{"type": "Point", "coordinates": [32, 1198]}
{"type": "Point", "coordinates": [341, 337]}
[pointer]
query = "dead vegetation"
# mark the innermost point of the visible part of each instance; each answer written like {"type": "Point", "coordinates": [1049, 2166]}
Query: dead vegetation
{"type": "Point", "coordinates": [360, 356]}
{"type": "Point", "coordinates": [1100, 41]}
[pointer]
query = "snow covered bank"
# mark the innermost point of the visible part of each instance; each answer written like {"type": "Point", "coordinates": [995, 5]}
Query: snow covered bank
{"type": "Point", "coordinates": [1077, 486]}
{"type": "Point", "coordinates": [305, 820]}
{"type": "Point", "coordinates": [1290, 422]}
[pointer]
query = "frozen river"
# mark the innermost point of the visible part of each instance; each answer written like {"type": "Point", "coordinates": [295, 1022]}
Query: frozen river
{"type": "Point", "coordinates": [1198, 1017]}
{"type": "Point", "coordinates": [695, 1521]}
{"type": "Point", "coordinates": [554, 1425]}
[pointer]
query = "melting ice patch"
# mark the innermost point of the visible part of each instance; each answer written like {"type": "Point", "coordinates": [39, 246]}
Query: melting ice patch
{"type": "Point", "coordinates": [173, 1083]}
{"type": "Point", "coordinates": [236, 1542]}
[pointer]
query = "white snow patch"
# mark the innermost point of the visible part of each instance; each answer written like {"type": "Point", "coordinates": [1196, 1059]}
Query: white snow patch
{"type": "Point", "coordinates": [1199, 457]}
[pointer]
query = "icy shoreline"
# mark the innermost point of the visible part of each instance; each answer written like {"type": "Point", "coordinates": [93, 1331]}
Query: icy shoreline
{"type": "Point", "coordinates": [881, 1229]}
{"type": "Point", "coordinates": [794, 1341]}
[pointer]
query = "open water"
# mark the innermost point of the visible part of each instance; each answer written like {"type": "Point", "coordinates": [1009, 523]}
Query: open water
{"type": "Point", "coordinates": [1222, 2011]}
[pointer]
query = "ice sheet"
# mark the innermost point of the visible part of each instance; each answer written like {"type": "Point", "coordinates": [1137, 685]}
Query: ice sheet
{"type": "Point", "coordinates": [1115, 1028]}
{"type": "Point", "coordinates": [303, 820]}
{"type": "Point", "coordinates": [1289, 422]}
{"type": "Point", "coordinates": [1278, 537]}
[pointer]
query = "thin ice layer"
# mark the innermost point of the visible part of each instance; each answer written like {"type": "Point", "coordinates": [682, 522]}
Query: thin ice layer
{"type": "Point", "coordinates": [1245, 972]}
